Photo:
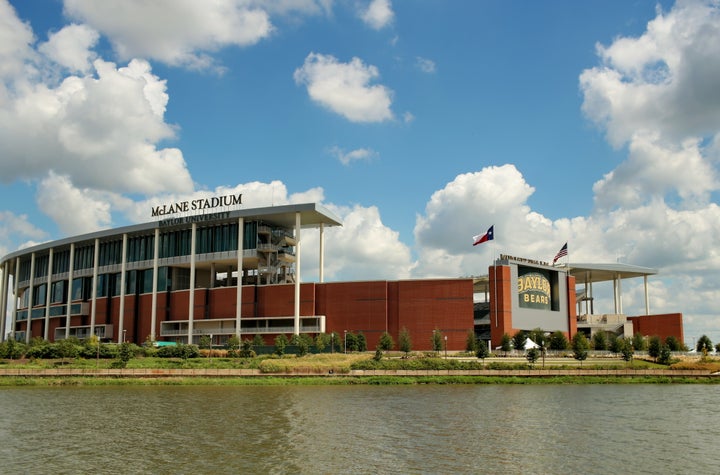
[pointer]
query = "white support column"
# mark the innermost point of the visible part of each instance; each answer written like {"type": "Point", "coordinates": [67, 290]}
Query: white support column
{"type": "Point", "coordinates": [121, 309]}
{"type": "Point", "coordinates": [93, 302]}
{"type": "Point", "coordinates": [322, 253]}
{"type": "Point", "coordinates": [297, 273]}
{"type": "Point", "coordinates": [69, 291]}
{"type": "Point", "coordinates": [48, 294]}
{"type": "Point", "coordinates": [15, 295]}
{"type": "Point", "coordinates": [619, 286]}
{"type": "Point", "coordinates": [30, 297]}
{"type": "Point", "coordinates": [212, 275]}
{"type": "Point", "coordinates": [647, 296]}
{"type": "Point", "coordinates": [3, 301]}
{"type": "Point", "coordinates": [238, 304]}
{"type": "Point", "coordinates": [191, 299]}
{"type": "Point", "coordinates": [615, 294]}
{"type": "Point", "coordinates": [153, 311]}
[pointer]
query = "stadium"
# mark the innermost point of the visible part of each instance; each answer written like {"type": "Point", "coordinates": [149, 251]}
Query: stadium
{"type": "Point", "coordinates": [227, 271]}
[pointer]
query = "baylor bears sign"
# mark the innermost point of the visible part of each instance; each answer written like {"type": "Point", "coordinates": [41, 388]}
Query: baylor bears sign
{"type": "Point", "coordinates": [534, 288]}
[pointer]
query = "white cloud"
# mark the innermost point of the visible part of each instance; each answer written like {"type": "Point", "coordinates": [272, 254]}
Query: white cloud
{"type": "Point", "coordinates": [98, 131]}
{"type": "Point", "coordinates": [16, 231]}
{"type": "Point", "coordinates": [682, 244]}
{"type": "Point", "coordinates": [71, 47]}
{"type": "Point", "coordinates": [359, 154]}
{"type": "Point", "coordinates": [362, 249]}
{"type": "Point", "coordinates": [664, 82]}
{"type": "Point", "coordinates": [653, 170]}
{"type": "Point", "coordinates": [378, 14]}
{"type": "Point", "coordinates": [344, 88]}
{"type": "Point", "coordinates": [425, 65]}
{"type": "Point", "coordinates": [176, 32]}
{"type": "Point", "coordinates": [16, 39]}
{"type": "Point", "coordinates": [76, 211]}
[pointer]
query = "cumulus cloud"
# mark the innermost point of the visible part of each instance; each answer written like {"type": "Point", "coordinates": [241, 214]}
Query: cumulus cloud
{"type": "Point", "coordinates": [76, 211]}
{"type": "Point", "coordinates": [177, 32]}
{"type": "Point", "coordinates": [359, 154]}
{"type": "Point", "coordinates": [653, 170]}
{"type": "Point", "coordinates": [378, 14]}
{"type": "Point", "coordinates": [364, 248]}
{"type": "Point", "coordinates": [100, 131]}
{"type": "Point", "coordinates": [345, 88]}
{"type": "Point", "coordinates": [16, 38]}
{"type": "Point", "coordinates": [18, 232]}
{"type": "Point", "coordinates": [682, 244]}
{"type": "Point", "coordinates": [71, 47]}
{"type": "Point", "coordinates": [664, 81]}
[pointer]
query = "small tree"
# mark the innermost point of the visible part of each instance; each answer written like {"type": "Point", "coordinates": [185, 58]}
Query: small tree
{"type": "Point", "coordinates": [518, 340]}
{"type": "Point", "coordinates": [626, 349]}
{"type": "Point", "coordinates": [233, 345]}
{"type": "Point", "coordinates": [665, 354]}
{"type": "Point", "coordinates": [404, 341]}
{"type": "Point", "coordinates": [67, 349]}
{"type": "Point", "coordinates": [436, 341]}
{"type": "Point", "coordinates": [532, 355]}
{"type": "Point", "coordinates": [303, 343]}
{"type": "Point", "coordinates": [351, 342]}
{"type": "Point", "coordinates": [614, 343]}
{"type": "Point", "coordinates": [638, 342]}
{"type": "Point", "coordinates": [654, 347]}
{"type": "Point", "coordinates": [482, 351]}
{"type": "Point", "coordinates": [281, 342]}
{"type": "Point", "coordinates": [125, 354]}
{"type": "Point", "coordinates": [361, 342]}
{"type": "Point", "coordinates": [674, 344]}
{"type": "Point", "coordinates": [205, 342]}
{"type": "Point", "coordinates": [600, 341]}
{"type": "Point", "coordinates": [378, 354]}
{"type": "Point", "coordinates": [505, 344]}
{"type": "Point", "coordinates": [580, 346]}
{"type": "Point", "coordinates": [386, 342]}
{"type": "Point", "coordinates": [258, 341]}
{"type": "Point", "coordinates": [704, 345]}
{"type": "Point", "coordinates": [717, 348]}
{"type": "Point", "coordinates": [246, 349]}
{"type": "Point", "coordinates": [471, 343]}
{"type": "Point", "coordinates": [321, 341]}
{"type": "Point", "coordinates": [558, 341]}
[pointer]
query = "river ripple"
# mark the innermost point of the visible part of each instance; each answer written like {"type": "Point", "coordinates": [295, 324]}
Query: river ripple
{"type": "Point", "coordinates": [425, 429]}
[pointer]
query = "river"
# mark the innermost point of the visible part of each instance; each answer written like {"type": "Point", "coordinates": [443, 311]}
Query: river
{"type": "Point", "coordinates": [422, 429]}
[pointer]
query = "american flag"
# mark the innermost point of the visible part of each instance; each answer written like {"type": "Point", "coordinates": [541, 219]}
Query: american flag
{"type": "Point", "coordinates": [561, 252]}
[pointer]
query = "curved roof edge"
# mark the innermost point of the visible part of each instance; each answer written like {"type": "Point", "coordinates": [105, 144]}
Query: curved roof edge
{"type": "Point", "coordinates": [602, 272]}
{"type": "Point", "coordinates": [311, 215]}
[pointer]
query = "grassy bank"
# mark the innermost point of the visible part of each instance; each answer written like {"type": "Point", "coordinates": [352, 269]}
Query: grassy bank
{"type": "Point", "coordinates": [90, 381]}
{"type": "Point", "coordinates": [335, 369]}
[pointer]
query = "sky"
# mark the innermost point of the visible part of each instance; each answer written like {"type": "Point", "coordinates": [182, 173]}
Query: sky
{"type": "Point", "coordinates": [419, 123]}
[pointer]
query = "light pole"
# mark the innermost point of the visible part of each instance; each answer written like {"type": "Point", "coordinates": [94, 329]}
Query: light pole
{"type": "Point", "coordinates": [445, 346]}
{"type": "Point", "coordinates": [332, 342]}
{"type": "Point", "coordinates": [124, 334]}
{"type": "Point", "coordinates": [345, 332]}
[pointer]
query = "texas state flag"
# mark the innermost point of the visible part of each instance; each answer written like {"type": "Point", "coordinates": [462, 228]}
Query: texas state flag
{"type": "Point", "coordinates": [481, 238]}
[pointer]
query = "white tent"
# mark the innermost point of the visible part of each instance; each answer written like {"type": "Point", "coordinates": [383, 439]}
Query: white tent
{"type": "Point", "coordinates": [530, 344]}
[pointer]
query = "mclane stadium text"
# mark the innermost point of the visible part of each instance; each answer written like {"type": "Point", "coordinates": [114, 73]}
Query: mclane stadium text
{"type": "Point", "coordinates": [195, 205]}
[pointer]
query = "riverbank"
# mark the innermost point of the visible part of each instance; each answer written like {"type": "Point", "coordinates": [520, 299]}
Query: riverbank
{"type": "Point", "coordinates": [214, 376]}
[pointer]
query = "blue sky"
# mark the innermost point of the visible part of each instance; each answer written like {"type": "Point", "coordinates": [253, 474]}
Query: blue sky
{"type": "Point", "coordinates": [420, 123]}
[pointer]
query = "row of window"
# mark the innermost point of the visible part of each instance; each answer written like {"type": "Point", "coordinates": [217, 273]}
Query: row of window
{"type": "Point", "coordinates": [209, 239]}
{"type": "Point", "coordinates": [108, 285]}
